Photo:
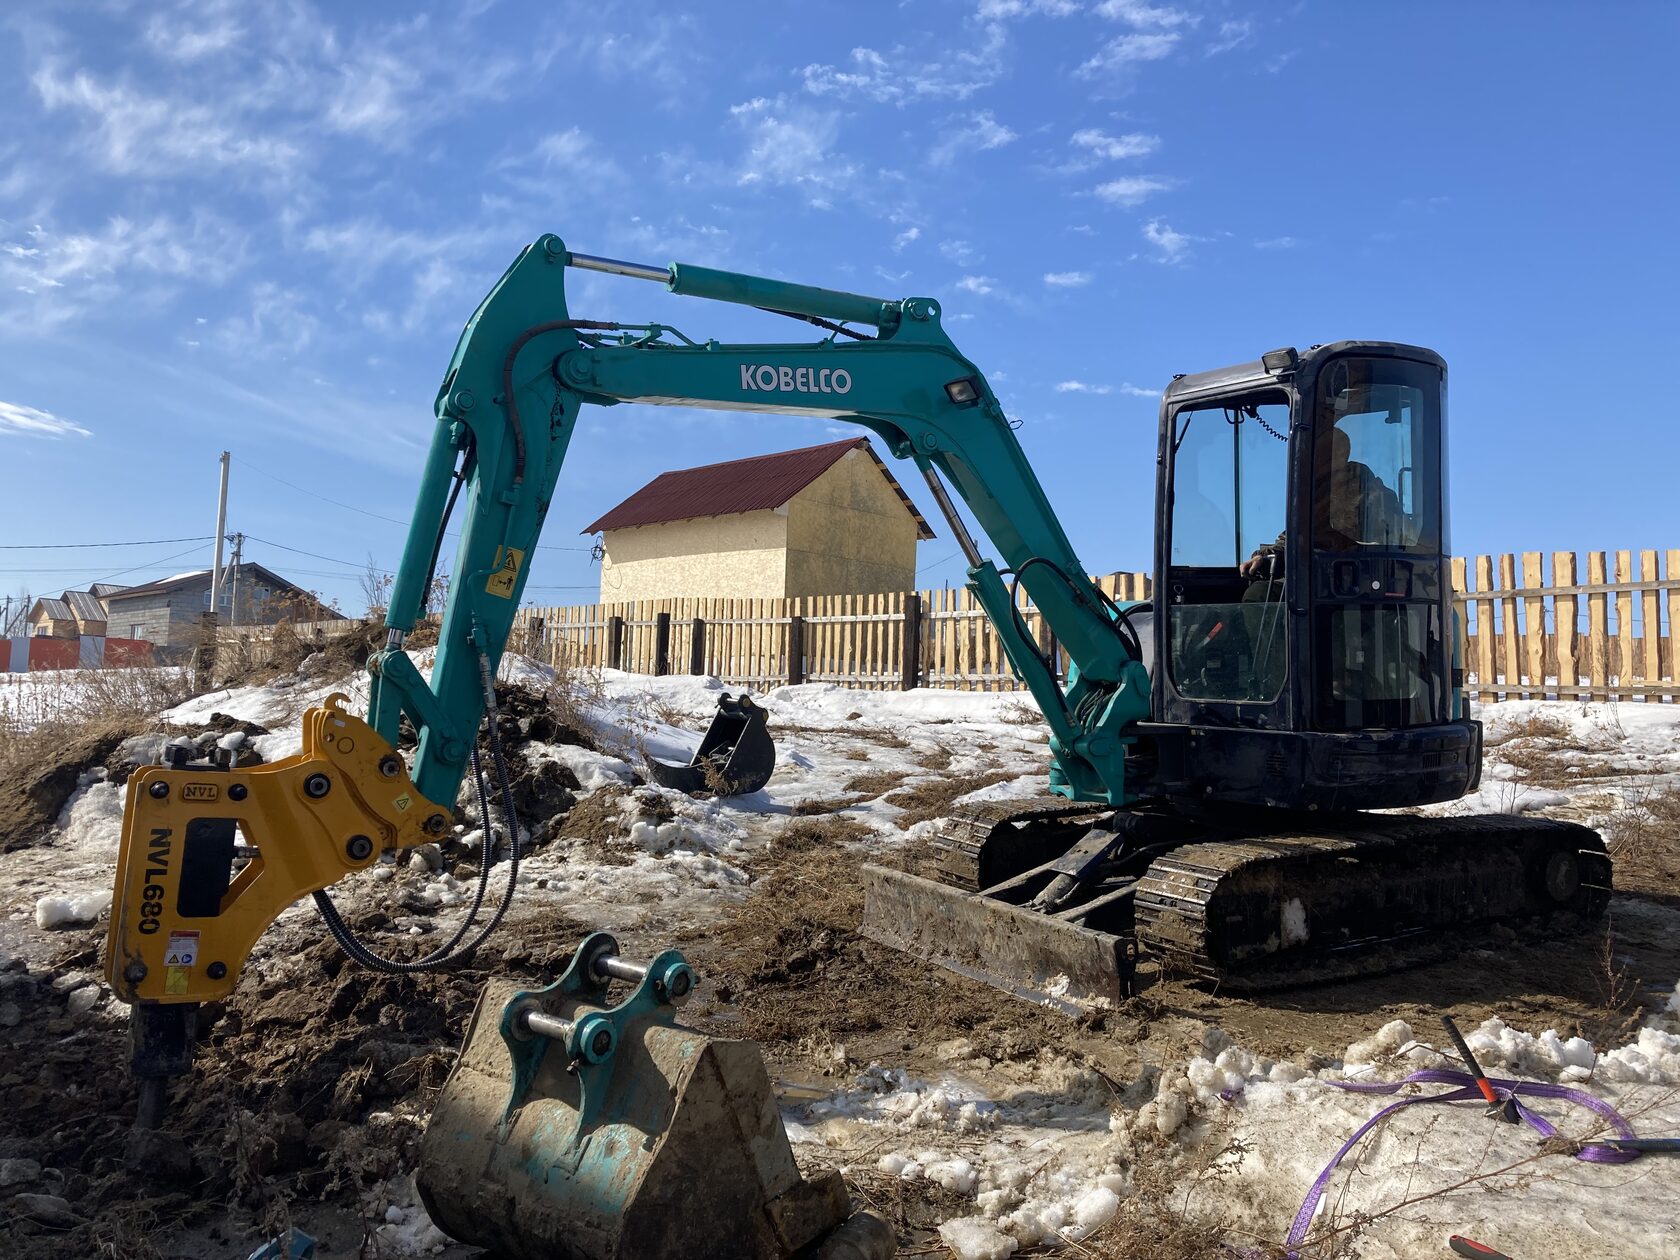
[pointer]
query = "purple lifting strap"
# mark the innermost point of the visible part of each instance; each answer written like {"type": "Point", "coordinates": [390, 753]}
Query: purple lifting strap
{"type": "Point", "coordinates": [1593, 1152]}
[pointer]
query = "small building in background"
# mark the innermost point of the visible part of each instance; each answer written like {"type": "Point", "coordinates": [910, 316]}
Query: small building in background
{"type": "Point", "coordinates": [170, 612]}
{"type": "Point", "coordinates": [52, 619]}
{"type": "Point", "coordinates": [822, 520]}
{"type": "Point", "coordinates": [88, 611]}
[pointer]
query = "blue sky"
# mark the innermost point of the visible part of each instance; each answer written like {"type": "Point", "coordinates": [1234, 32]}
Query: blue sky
{"type": "Point", "coordinates": [260, 227]}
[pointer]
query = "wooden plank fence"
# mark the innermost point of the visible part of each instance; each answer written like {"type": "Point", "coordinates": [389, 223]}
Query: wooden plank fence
{"type": "Point", "coordinates": [1524, 633]}
{"type": "Point", "coordinates": [895, 641]}
{"type": "Point", "coordinates": [1532, 636]}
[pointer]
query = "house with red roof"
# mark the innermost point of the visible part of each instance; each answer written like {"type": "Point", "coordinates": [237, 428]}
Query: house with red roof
{"type": "Point", "coordinates": [821, 520]}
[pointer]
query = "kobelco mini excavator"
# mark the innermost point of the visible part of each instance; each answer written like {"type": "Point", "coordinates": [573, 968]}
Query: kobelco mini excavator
{"type": "Point", "coordinates": [1215, 752]}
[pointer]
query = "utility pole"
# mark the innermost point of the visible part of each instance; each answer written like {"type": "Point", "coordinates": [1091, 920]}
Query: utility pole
{"type": "Point", "coordinates": [221, 528]}
{"type": "Point", "coordinates": [233, 599]}
{"type": "Point", "coordinates": [204, 660]}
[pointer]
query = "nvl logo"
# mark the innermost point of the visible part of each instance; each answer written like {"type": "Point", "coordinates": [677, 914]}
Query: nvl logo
{"type": "Point", "coordinates": [763, 378]}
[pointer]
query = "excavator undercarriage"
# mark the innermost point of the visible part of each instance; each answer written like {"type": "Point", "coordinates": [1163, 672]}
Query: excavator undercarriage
{"type": "Point", "coordinates": [1294, 900]}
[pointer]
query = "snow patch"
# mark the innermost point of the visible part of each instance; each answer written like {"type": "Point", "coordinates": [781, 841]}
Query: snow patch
{"type": "Point", "coordinates": [52, 912]}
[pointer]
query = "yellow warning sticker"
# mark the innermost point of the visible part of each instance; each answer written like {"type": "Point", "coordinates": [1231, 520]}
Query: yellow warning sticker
{"type": "Point", "coordinates": [508, 560]}
{"type": "Point", "coordinates": [403, 802]}
{"type": "Point", "coordinates": [175, 980]}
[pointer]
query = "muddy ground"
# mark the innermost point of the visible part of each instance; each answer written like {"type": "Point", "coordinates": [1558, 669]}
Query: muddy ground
{"type": "Point", "coordinates": [314, 1080]}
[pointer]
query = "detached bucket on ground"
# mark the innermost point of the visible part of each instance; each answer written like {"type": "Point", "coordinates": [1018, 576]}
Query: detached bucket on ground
{"type": "Point", "coordinates": [735, 757]}
{"type": "Point", "coordinates": [574, 1127]}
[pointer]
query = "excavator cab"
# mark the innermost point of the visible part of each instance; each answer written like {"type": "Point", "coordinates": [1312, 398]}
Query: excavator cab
{"type": "Point", "coordinates": [1301, 650]}
{"type": "Point", "coordinates": [1305, 649]}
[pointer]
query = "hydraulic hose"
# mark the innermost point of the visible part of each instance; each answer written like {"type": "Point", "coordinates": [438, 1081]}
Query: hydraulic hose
{"type": "Point", "coordinates": [447, 954]}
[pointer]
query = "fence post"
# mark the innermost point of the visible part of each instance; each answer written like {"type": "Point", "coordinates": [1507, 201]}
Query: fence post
{"type": "Point", "coordinates": [796, 650]}
{"type": "Point", "coordinates": [661, 644]}
{"type": "Point", "coordinates": [912, 641]}
{"type": "Point", "coordinates": [697, 646]}
{"type": "Point", "coordinates": [615, 642]}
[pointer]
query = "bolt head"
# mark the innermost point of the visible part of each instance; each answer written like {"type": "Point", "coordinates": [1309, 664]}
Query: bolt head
{"type": "Point", "coordinates": [390, 766]}
{"type": "Point", "coordinates": [435, 825]}
{"type": "Point", "coordinates": [316, 786]}
{"type": "Point", "coordinates": [359, 848]}
{"type": "Point", "coordinates": [135, 972]}
{"type": "Point", "coordinates": [216, 970]}
{"type": "Point", "coordinates": [238, 791]}
{"type": "Point", "coordinates": [158, 790]}
{"type": "Point", "coordinates": [464, 400]}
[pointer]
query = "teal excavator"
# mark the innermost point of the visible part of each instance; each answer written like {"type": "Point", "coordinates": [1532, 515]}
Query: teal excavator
{"type": "Point", "coordinates": [1216, 752]}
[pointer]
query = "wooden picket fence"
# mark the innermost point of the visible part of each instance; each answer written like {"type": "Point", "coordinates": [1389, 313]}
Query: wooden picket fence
{"type": "Point", "coordinates": [1530, 635]}
{"type": "Point", "coordinates": [1523, 634]}
{"type": "Point", "coordinates": [900, 640]}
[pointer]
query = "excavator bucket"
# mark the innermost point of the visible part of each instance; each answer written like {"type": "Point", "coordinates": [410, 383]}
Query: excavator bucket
{"type": "Point", "coordinates": [735, 757]}
{"type": "Point", "coordinates": [575, 1129]}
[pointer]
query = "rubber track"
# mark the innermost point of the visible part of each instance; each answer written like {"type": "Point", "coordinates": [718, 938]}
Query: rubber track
{"type": "Point", "coordinates": [1188, 906]}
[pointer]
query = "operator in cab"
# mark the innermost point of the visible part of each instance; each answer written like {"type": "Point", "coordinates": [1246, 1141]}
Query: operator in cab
{"type": "Point", "coordinates": [1352, 506]}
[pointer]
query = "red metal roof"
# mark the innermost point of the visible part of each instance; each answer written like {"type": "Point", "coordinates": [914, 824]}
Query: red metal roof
{"type": "Point", "coordinates": [740, 485]}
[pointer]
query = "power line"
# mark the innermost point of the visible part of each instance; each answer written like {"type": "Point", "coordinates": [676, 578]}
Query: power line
{"type": "Point", "coordinates": [313, 555]}
{"type": "Point", "coordinates": [150, 542]}
{"type": "Point", "coordinates": [150, 565]}
{"type": "Point", "coordinates": [378, 516]}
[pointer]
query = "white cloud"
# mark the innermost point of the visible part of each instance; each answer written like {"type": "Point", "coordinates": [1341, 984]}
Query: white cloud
{"type": "Point", "coordinates": [277, 325]}
{"type": "Point", "coordinates": [17, 420]}
{"type": "Point", "coordinates": [792, 145]}
{"type": "Point", "coordinates": [1146, 16]}
{"type": "Point", "coordinates": [1119, 55]}
{"type": "Point", "coordinates": [905, 237]}
{"type": "Point", "coordinates": [959, 252]}
{"type": "Point", "coordinates": [49, 276]}
{"type": "Point", "coordinates": [1131, 190]}
{"type": "Point", "coordinates": [1138, 392]}
{"type": "Point", "coordinates": [1080, 387]}
{"type": "Point", "coordinates": [900, 75]}
{"type": "Point", "coordinates": [186, 35]}
{"type": "Point", "coordinates": [1116, 148]}
{"type": "Point", "coordinates": [1003, 10]}
{"type": "Point", "coordinates": [1170, 246]}
{"type": "Point", "coordinates": [974, 133]}
{"type": "Point", "coordinates": [978, 285]}
{"type": "Point", "coordinates": [1231, 35]}
{"type": "Point", "coordinates": [136, 134]}
{"type": "Point", "coordinates": [1277, 242]}
{"type": "Point", "coordinates": [1067, 279]}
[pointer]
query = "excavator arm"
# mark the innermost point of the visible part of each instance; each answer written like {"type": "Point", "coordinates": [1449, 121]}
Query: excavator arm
{"type": "Point", "coordinates": [212, 853]}
{"type": "Point", "coordinates": [522, 372]}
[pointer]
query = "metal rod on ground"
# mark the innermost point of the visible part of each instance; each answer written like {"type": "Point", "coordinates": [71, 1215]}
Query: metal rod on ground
{"type": "Point", "coordinates": [1504, 1108]}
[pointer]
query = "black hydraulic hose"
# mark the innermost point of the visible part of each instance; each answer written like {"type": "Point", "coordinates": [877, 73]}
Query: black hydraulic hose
{"type": "Point", "coordinates": [826, 324]}
{"type": "Point", "coordinates": [443, 528]}
{"type": "Point", "coordinates": [447, 954]}
{"type": "Point", "coordinates": [512, 405]}
{"type": "Point", "coordinates": [1133, 644]}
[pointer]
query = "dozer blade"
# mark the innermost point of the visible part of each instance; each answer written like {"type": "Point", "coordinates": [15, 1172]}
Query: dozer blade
{"type": "Point", "coordinates": [735, 757]}
{"type": "Point", "coordinates": [1033, 955]}
{"type": "Point", "coordinates": [571, 1129]}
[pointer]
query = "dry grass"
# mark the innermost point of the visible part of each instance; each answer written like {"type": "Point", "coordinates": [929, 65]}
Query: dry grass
{"type": "Point", "coordinates": [1545, 752]}
{"type": "Point", "coordinates": [933, 798]}
{"type": "Point", "coordinates": [876, 783]}
{"type": "Point", "coordinates": [1644, 841]}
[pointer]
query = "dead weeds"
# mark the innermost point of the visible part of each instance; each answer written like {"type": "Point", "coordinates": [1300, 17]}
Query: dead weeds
{"type": "Point", "coordinates": [1644, 841]}
{"type": "Point", "coordinates": [933, 799]}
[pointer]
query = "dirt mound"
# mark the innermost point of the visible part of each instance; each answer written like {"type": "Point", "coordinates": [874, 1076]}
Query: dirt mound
{"type": "Point", "coordinates": [40, 778]}
{"type": "Point", "coordinates": [311, 1085]}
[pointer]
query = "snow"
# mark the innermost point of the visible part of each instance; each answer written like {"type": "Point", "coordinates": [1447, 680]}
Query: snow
{"type": "Point", "coordinates": [1040, 1149]}
{"type": "Point", "coordinates": [52, 912]}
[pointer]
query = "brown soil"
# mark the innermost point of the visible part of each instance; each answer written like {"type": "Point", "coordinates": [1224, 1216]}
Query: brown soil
{"type": "Point", "coordinates": [311, 1085]}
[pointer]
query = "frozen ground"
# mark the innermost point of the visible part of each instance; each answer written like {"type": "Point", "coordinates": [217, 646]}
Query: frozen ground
{"type": "Point", "coordinates": [1044, 1137]}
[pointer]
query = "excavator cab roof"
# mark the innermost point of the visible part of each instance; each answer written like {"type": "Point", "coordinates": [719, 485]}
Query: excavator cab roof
{"type": "Point", "coordinates": [1275, 365]}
